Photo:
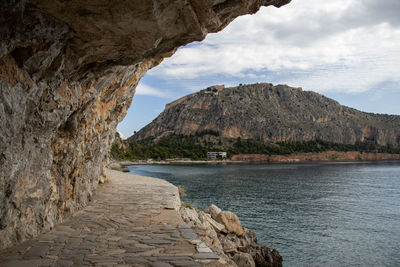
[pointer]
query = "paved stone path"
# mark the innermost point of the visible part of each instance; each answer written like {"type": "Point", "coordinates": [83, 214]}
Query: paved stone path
{"type": "Point", "coordinates": [132, 221]}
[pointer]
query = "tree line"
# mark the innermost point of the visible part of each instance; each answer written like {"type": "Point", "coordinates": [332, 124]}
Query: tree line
{"type": "Point", "coordinates": [194, 147]}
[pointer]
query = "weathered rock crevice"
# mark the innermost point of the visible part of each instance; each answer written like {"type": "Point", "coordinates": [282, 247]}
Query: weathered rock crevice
{"type": "Point", "coordinates": [68, 72]}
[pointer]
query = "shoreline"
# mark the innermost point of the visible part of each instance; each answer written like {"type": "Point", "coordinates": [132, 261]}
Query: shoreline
{"type": "Point", "coordinates": [132, 220]}
{"type": "Point", "coordinates": [218, 237]}
{"type": "Point", "coordinates": [328, 156]}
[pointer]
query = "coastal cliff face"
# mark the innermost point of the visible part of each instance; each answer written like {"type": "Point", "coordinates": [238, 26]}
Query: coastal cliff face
{"type": "Point", "coordinates": [271, 114]}
{"type": "Point", "coordinates": [68, 72]}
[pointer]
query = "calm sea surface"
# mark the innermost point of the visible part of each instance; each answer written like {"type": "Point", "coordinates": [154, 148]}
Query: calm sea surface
{"type": "Point", "coordinates": [320, 214]}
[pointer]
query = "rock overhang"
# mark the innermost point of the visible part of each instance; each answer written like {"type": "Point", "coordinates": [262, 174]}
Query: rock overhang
{"type": "Point", "coordinates": [68, 72]}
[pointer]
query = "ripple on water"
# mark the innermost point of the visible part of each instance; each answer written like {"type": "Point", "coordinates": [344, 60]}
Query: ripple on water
{"type": "Point", "coordinates": [319, 214]}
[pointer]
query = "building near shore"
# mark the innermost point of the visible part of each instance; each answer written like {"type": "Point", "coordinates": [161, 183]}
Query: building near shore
{"type": "Point", "coordinates": [216, 155]}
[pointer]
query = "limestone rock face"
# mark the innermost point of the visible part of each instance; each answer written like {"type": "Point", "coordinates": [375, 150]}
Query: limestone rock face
{"type": "Point", "coordinates": [213, 211]}
{"type": "Point", "coordinates": [231, 222]}
{"type": "Point", "coordinates": [68, 72]}
{"type": "Point", "coordinates": [219, 228]}
{"type": "Point", "coordinates": [270, 114]}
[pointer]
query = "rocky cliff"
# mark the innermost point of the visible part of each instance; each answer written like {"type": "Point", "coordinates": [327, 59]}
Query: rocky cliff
{"type": "Point", "coordinates": [68, 72]}
{"type": "Point", "coordinates": [271, 114]}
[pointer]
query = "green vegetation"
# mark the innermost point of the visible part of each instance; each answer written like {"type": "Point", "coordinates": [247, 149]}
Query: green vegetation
{"type": "Point", "coordinates": [256, 147]}
{"type": "Point", "coordinates": [176, 146]}
{"type": "Point", "coordinates": [187, 205]}
{"type": "Point", "coordinates": [196, 147]}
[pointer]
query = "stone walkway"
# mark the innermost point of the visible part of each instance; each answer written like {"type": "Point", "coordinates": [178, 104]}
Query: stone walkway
{"type": "Point", "coordinates": [132, 221]}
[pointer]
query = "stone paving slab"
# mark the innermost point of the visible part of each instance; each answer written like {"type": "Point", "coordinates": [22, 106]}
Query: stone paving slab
{"type": "Point", "coordinates": [132, 221]}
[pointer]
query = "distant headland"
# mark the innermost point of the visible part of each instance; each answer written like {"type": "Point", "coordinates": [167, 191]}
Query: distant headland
{"type": "Point", "coordinates": [263, 122]}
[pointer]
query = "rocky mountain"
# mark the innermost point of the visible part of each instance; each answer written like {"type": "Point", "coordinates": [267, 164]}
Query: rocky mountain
{"type": "Point", "coordinates": [270, 114]}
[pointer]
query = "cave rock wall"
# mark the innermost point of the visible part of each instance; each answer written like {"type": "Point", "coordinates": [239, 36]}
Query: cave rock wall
{"type": "Point", "coordinates": [68, 72]}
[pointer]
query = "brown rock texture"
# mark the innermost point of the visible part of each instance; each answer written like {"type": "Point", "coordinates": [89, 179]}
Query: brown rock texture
{"type": "Point", "coordinates": [231, 222]}
{"type": "Point", "coordinates": [68, 72]}
{"type": "Point", "coordinates": [322, 156]}
{"type": "Point", "coordinates": [270, 114]}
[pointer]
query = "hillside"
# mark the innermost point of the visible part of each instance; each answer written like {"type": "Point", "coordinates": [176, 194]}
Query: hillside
{"type": "Point", "coordinates": [269, 114]}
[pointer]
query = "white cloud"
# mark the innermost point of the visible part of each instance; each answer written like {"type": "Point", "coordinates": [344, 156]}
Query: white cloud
{"type": "Point", "coordinates": [372, 57]}
{"type": "Point", "coordinates": [143, 89]}
{"type": "Point", "coordinates": [337, 45]}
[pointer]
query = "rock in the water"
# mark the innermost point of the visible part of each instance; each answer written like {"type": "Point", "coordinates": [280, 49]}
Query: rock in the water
{"type": "Point", "coordinates": [231, 222]}
{"type": "Point", "coordinates": [264, 257]}
{"type": "Point", "coordinates": [243, 260]}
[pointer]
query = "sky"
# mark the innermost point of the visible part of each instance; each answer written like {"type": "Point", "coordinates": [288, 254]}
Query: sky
{"type": "Point", "coordinates": [348, 50]}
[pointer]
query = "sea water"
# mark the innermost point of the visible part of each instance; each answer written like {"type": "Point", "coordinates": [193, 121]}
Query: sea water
{"type": "Point", "coordinates": [318, 214]}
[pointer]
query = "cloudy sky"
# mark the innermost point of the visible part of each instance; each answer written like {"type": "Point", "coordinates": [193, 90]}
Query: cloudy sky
{"type": "Point", "coordinates": [348, 50]}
